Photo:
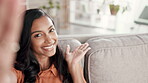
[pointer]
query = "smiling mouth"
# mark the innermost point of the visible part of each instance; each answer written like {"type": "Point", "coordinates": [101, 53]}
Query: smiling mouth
{"type": "Point", "coordinates": [48, 48]}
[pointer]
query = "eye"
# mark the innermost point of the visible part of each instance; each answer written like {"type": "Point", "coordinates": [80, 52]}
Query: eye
{"type": "Point", "coordinates": [38, 35]}
{"type": "Point", "coordinates": [52, 30]}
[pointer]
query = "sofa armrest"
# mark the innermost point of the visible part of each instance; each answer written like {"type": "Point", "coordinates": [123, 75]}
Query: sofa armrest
{"type": "Point", "coordinates": [117, 59]}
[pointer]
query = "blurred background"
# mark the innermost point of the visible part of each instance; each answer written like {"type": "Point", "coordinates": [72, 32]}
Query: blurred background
{"type": "Point", "coordinates": [76, 17]}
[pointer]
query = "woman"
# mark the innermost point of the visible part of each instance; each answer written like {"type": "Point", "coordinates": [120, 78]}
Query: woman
{"type": "Point", "coordinates": [39, 59]}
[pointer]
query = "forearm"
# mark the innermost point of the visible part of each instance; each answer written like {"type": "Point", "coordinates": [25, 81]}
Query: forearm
{"type": "Point", "coordinates": [6, 65]}
{"type": "Point", "coordinates": [4, 77]}
{"type": "Point", "coordinates": [7, 77]}
{"type": "Point", "coordinates": [77, 74]}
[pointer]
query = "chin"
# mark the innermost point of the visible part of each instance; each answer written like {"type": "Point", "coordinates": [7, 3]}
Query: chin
{"type": "Point", "coordinates": [51, 53]}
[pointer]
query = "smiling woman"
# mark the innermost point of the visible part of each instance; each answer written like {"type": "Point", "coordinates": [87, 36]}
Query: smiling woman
{"type": "Point", "coordinates": [39, 59]}
{"type": "Point", "coordinates": [44, 37]}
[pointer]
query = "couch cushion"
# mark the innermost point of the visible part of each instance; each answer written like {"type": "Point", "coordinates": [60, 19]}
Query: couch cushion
{"type": "Point", "coordinates": [117, 59]}
{"type": "Point", "coordinates": [63, 42]}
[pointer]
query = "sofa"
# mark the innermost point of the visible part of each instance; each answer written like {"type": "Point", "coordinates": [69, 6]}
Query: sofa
{"type": "Point", "coordinates": [112, 58]}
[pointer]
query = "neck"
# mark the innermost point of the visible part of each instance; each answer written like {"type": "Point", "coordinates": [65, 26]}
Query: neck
{"type": "Point", "coordinates": [44, 62]}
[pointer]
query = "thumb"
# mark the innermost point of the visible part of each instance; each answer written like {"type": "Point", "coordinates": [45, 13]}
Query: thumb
{"type": "Point", "coordinates": [67, 49]}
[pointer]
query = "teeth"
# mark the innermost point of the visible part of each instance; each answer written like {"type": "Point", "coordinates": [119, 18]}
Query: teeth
{"type": "Point", "coordinates": [48, 47]}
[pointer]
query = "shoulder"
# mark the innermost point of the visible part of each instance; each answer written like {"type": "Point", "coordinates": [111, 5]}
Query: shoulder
{"type": "Point", "coordinates": [19, 74]}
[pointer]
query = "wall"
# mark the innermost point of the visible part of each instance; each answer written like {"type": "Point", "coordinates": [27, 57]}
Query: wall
{"type": "Point", "coordinates": [125, 22]}
{"type": "Point", "coordinates": [61, 18]}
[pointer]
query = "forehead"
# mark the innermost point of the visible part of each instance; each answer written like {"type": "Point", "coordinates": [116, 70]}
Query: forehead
{"type": "Point", "coordinates": [41, 23]}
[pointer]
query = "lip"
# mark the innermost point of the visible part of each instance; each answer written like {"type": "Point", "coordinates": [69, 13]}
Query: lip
{"type": "Point", "coordinates": [48, 47]}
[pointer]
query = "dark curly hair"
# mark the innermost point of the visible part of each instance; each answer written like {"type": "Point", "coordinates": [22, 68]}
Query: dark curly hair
{"type": "Point", "coordinates": [27, 62]}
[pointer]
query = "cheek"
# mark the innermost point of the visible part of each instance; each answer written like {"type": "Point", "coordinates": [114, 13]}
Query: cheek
{"type": "Point", "coordinates": [55, 36]}
{"type": "Point", "coordinates": [35, 44]}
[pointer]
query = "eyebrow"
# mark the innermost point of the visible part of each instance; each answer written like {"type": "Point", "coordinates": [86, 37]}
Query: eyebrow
{"type": "Point", "coordinates": [41, 31]}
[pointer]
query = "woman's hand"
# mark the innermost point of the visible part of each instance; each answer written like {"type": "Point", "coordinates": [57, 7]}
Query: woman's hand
{"type": "Point", "coordinates": [74, 57]}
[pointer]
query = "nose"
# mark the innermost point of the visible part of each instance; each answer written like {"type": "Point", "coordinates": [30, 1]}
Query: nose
{"type": "Point", "coordinates": [48, 39]}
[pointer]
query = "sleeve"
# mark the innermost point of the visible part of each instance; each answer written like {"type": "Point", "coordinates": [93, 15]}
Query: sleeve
{"type": "Point", "coordinates": [19, 75]}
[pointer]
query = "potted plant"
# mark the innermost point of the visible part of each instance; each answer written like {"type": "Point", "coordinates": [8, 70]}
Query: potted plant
{"type": "Point", "coordinates": [114, 9]}
{"type": "Point", "coordinates": [115, 6]}
{"type": "Point", "coordinates": [52, 7]}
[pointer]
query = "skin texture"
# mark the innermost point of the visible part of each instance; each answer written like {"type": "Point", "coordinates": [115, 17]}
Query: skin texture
{"type": "Point", "coordinates": [10, 23]}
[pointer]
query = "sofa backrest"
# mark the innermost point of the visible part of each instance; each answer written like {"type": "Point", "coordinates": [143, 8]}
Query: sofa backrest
{"type": "Point", "coordinates": [117, 59]}
{"type": "Point", "coordinates": [63, 42]}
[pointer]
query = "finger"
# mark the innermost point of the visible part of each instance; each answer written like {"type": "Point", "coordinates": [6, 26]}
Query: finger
{"type": "Point", "coordinates": [81, 46]}
{"type": "Point", "coordinates": [84, 46]}
{"type": "Point", "coordinates": [67, 49]}
{"type": "Point", "coordinates": [82, 55]}
{"type": "Point", "coordinates": [86, 50]}
{"type": "Point", "coordinates": [76, 49]}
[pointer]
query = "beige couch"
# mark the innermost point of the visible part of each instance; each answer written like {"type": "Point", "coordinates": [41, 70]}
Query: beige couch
{"type": "Point", "coordinates": [114, 58]}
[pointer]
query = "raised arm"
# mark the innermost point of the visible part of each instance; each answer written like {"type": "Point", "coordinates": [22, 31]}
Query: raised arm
{"type": "Point", "coordinates": [73, 59]}
{"type": "Point", "coordinates": [10, 28]}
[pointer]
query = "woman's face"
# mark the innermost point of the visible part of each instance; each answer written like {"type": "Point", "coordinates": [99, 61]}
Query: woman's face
{"type": "Point", "coordinates": [43, 37]}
